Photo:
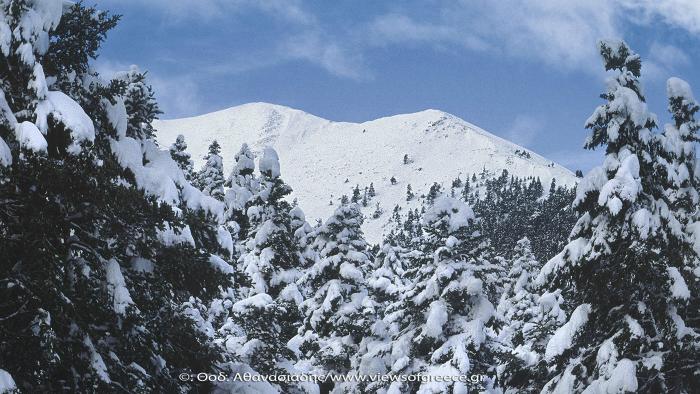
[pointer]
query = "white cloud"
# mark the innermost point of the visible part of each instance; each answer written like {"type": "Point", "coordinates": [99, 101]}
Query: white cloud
{"type": "Point", "coordinates": [331, 56]}
{"type": "Point", "coordinates": [556, 32]}
{"type": "Point", "coordinates": [304, 39]}
{"type": "Point", "coordinates": [663, 60]}
{"type": "Point", "coordinates": [683, 14]}
{"type": "Point", "coordinates": [177, 11]}
{"type": "Point", "coordinates": [177, 95]}
{"type": "Point", "coordinates": [524, 130]}
{"type": "Point", "coordinates": [401, 29]}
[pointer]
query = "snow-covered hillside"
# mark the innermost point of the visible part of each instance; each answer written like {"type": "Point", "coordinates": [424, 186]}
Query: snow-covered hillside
{"type": "Point", "coordinates": [318, 155]}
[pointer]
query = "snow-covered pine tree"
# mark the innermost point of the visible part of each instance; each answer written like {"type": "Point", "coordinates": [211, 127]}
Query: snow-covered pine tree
{"type": "Point", "coordinates": [270, 260]}
{"type": "Point", "coordinates": [619, 274]}
{"type": "Point", "coordinates": [677, 162]}
{"type": "Point", "coordinates": [242, 186]}
{"type": "Point", "coordinates": [433, 193]}
{"type": "Point", "coordinates": [378, 211]}
{"type": "Point", "coordinates": [98, 273]}
{"type": "Point", "coordinates": [386, 279]}
{"type": "Point", "coordinates": [525, 321]}
{"type": "Point", "coordinates": [523, 268]}
{"type": "Point", "coordinates": [210, 178]}
{"type": "Point", "coordinates": [385, 284]}
{"type": "Point", "coordinates": [268, 310]}
{"type": "Point", "coordinates": [141, 105]}
{"type": "Point", "coordinates": [303, 239]}
{"type": "Point", "coordinates": [440, 319]}
{"type": "Point", "coordinates": [356, 196]}
{"type": "Point", "coordinates": [338, 312]}
{"type": "Point", "coordinates": [677, 165]}
{"type": "Point", "coordinates": [178, 151]}
{"type": "Point", "coordinates": [466, 190]}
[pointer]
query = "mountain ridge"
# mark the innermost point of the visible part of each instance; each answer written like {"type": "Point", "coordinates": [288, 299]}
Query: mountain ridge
{"type": "Point", "coordinates": [323, 159]}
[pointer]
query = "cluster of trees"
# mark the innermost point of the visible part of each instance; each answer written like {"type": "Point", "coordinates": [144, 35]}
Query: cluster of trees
{"type": "Point", "coordinates": [123, 267]}
{"type": "Point", "coordinates": [509, 208]}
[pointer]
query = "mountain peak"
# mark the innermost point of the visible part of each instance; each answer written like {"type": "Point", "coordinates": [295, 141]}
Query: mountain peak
{"type": "Point", "coordinates": [322, 159]}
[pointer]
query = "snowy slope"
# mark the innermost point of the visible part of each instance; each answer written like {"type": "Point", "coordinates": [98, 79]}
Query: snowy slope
{"type": "Point", "coordinates": [318, 155]}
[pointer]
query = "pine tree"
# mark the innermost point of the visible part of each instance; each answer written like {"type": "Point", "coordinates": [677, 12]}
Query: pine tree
{"type": "Point", "coordinates": [210, 178]}
{"type": "Point", "coordinates": [178, 152]}
{"type": "Point", "coordinates": [141, 105]}
{"type": "Point", "coordinates": [433, 193]}
{"type": "Point", "coordinates": [677, 167]}
{"type": "Point", "coordinates": [371, 193]}
{"type": "Point", "coordinates": [409, 193]}
{"type": "Point", "coordinates": [338, 313]}
{"type": "Point", "coordinates": [441, 316]}
{"type": "Point", "coordinates": [268, 309]}
{"type": "Point", "coordinates": [100, 284]}
{"type": "Point", "coordinates": [526, 321]}
{"type": "Point", "coordinates": [242, 186]}
{"type": "Point", "coordinates": [677, 160]}
{"type": "Point", "coordinates": [386, 282]}
{"type": "Point", "coordinates": [303, 238]}
{"type": "Point", "coordinates": [466, 190]}
{"type": "Point", "coordinates": [355, 195]}
{"type": "Point", "coordinates": [619, 274]}
{"type": "Point", "coordinates": [396, 214]}
{"type": "Point", "coordinates": [378, 211]}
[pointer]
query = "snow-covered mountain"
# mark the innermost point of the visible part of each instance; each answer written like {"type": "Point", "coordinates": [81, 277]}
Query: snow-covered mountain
{"type": "Point", "coordinates": [322, 159]}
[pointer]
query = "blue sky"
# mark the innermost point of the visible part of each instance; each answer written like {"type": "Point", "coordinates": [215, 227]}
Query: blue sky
{"type": "Point", "coordinates": [524, 70]}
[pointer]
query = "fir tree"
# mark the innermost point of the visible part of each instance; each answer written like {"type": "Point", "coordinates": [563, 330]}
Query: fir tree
{"type": "Point", "coordinates": [526, 321]}
{"type": "Point", "coordinates": [378, 211]}
{"type": "Point", "coordinates": [356, 195]}
{"type": "Point", "coordinates": [466, 190]}
{"type": "Point", "coordinates": [338, 312]}
{"type": "Point", "coordinates": [409, 193]}
{"type": "Point", "coordinates": [242, 186]}
{"type": "Point", "coordinates": [433, 193]}
{"type": "Point", "coordinates": [446, 294]}
{"type": "Point", "coordinates": [271, 262]}
{"type": "Point", "coordinates": [178, 151]}
{"type": "Point", "coordinates": [371, 193]}
{"type": "Point", "coordinates": [620, 273]}
{"type": "Point", "coordinates": [141, 105]}
{"type": "Point", "coordinates": [210, 178]}
{"type": "Point", "coordinates": [100, 285]}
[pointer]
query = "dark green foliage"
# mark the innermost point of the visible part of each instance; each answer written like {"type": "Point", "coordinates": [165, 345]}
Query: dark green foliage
{"type": "Point", "coordinates": [72, 226]}
{"type": "Point", "coordinates": [514, 208]}
{"type": "Point", "coordinates": [77, 40]}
